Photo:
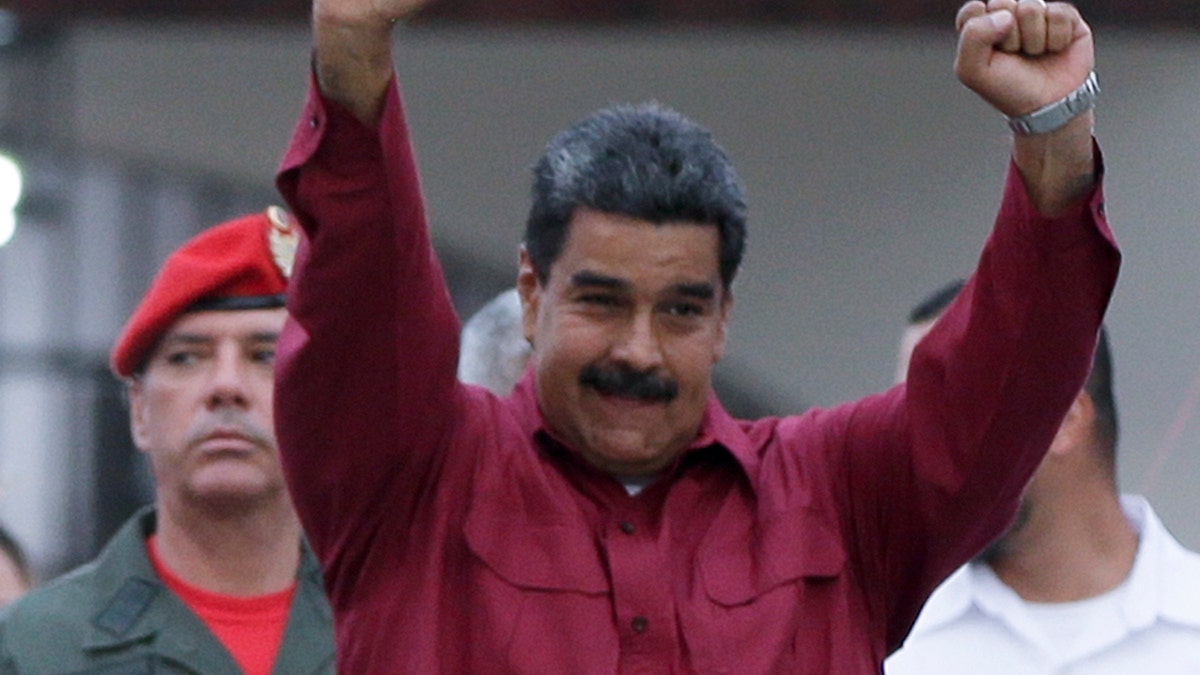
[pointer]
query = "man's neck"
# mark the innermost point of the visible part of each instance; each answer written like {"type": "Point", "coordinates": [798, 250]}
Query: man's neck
{"type": "Point", "coordinates": [1070, 553]}
{"type": "Point", "coordinates": [252, 551]}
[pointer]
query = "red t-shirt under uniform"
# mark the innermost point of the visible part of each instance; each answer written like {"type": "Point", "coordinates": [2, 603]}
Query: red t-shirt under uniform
{"type": "Point", "coordinates": [250, 627]}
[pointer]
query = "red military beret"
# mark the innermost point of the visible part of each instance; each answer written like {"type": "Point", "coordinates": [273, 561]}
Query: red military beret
{"type": "Point", "coordinates": [240, 264]}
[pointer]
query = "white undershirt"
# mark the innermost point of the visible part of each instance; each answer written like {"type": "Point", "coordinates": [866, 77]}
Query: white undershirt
{"type": "Point", "coordinates": [635, 484]}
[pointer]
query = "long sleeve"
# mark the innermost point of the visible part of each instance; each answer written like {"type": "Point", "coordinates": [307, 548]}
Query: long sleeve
{"type": "Point", "coordinates": [984, 397]}
{"type": "Point", "coordinates": [366, 365]}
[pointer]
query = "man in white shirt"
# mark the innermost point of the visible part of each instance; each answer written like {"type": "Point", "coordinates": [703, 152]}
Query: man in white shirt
{"type": "Point", "coordinates": [1085, 580]}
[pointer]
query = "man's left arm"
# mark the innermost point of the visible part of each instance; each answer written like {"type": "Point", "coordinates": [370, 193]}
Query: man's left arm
{"type": "Point", "coordinates": [936, 467]}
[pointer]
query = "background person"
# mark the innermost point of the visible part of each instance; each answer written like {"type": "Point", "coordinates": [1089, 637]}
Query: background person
{"type": "Point", "coordinates": [214, 577]}
{"type": "Point", "coordinates": [494, 351]}
{"type": "Point", "coordinates": [1086, 580]}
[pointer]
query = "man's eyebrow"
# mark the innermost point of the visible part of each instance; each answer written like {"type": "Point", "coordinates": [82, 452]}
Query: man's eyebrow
{"type": "Point", "coordinates": [186, 338]}
{"type": "Point", "coordinates": [589, 278]}
{"type": "Point", "coordinates": [701, 290]}
{"type": "Point", "coordinates": [201, 338]}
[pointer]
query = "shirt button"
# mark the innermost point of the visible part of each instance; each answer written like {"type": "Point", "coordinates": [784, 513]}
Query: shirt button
{"type": "Point", "coordinates": [314, 122]}
{"type": "Point", "coordinates": [628, 527]}
{"type": "Point", "coordinates": [640, 624]}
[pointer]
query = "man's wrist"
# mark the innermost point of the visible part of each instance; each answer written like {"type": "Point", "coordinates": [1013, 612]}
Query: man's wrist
{"type": "Point", "coordinates": [1056, 115]}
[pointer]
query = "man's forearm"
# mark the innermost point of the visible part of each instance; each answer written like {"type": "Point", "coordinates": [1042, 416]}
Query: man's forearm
{"type": "Point", "coordinates": [352, 57]}
{"type": "Point", "coordinates": [1058, 167]}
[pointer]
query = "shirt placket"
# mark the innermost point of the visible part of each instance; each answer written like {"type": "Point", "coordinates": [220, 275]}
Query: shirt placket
{"type": "Point", "coordinates": [642, 595]}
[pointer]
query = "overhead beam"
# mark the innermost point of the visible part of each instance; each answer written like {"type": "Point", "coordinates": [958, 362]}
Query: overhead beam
{"type": "Point", "coordinates": [1163, 14]}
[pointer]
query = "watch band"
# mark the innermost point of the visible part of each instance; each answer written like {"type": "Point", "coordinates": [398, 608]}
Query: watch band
{"type": "Point", "coordinates": [1055, 115]}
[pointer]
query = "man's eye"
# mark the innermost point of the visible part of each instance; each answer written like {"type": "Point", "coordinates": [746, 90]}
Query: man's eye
{"type": "Point", "coordinates": [685, 309]}
{"type": "Point", "coordinates": [266, 356]}
{"type": "Point", "coordinates": [599, 300]}
{"type": "Point", "coordinates": [182, 358]}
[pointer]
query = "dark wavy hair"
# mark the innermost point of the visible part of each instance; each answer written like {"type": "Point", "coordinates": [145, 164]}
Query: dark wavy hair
{"type": "Point", "coordinates": [643, 161]}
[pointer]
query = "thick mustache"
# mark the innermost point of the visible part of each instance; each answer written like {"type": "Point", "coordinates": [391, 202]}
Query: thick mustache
{"type": "Point", "coordinates": [231, 423]}
{"type": "Point", "coordinates": [629, 383]}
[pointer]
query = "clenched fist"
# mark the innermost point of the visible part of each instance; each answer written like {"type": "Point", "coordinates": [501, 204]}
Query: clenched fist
{"type": "Point", "coordinates": [1021, 55]}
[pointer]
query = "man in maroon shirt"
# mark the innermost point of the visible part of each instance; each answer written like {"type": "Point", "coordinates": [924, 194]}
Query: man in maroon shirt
{"type": "Point", "coordinates": [610, 516]}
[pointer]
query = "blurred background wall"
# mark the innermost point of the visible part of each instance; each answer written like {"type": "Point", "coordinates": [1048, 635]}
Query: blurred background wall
{"type": "Point", "coordinates": [873, 177]}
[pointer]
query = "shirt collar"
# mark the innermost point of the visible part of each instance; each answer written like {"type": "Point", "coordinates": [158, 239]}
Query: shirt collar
{"type": "Point", "coordinates": [950, 601]}
{"type": "Point", "coordinates": [718, 428]}
{"type": "Point", "coordinates": [1165, 579]}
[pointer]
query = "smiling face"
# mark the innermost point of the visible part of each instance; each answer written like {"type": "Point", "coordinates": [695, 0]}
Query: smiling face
{"type": "Point", "coordinates": [201, 409]}
{"type": "Point", "coordinates": [626, 329]}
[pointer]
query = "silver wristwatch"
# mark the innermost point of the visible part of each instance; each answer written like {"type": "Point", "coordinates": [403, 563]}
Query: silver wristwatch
{"type": "Point", "coordinates": [1055, 115]}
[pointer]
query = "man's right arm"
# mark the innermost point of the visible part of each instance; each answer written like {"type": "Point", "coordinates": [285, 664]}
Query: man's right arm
{"type": "Point", "coordinates": [352, 44]}
{"type": "Point", "coordinates": [365, 371]}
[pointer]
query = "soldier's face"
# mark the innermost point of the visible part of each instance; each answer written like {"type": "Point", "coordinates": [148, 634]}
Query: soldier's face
{"type": "Point", "coordinates": [202, 409]}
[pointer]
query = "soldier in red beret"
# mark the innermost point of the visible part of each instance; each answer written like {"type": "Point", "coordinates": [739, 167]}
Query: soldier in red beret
{"type": "Point", "coordinates": [215, 576]}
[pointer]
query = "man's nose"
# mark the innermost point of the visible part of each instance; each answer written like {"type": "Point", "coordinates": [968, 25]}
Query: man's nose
{"type": "Point", "coordinates": [227, 382]}
{"type": "Point", "coordinates": [638, 344]}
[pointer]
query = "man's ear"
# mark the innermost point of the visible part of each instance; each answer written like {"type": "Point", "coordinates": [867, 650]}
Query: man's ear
{"type": "Point", "coordinates": [1077, 426]}
{"type": "Point", "coordinates": [530, 290]}
{"type": "Point", "coordinates": [137, 411]}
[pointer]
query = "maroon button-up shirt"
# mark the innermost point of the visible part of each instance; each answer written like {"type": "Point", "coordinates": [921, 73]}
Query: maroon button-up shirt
{"type": "Point", "coordinates": [458, 536]}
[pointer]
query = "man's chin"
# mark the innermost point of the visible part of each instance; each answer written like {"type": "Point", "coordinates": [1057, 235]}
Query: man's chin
{"type": "Point", "coordinates": [620, 459]}
{"type": "Point", "coordinates": [232, 493]}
